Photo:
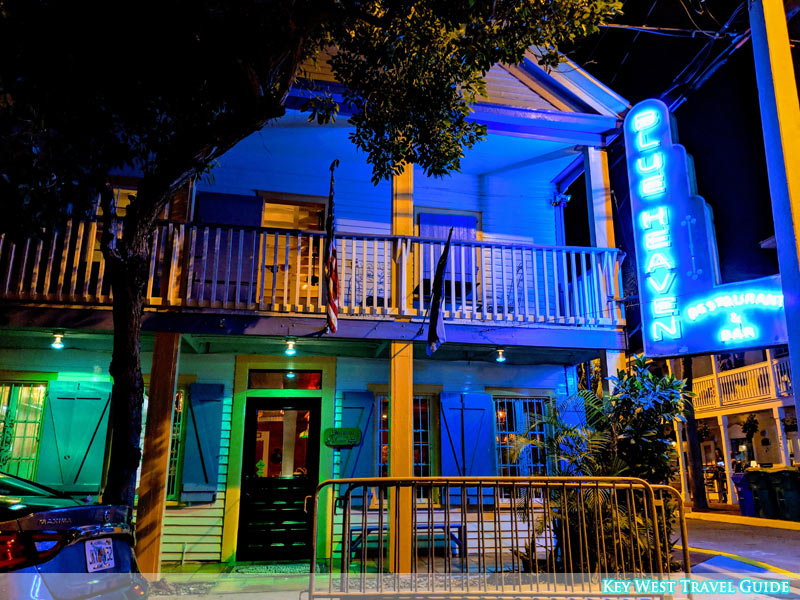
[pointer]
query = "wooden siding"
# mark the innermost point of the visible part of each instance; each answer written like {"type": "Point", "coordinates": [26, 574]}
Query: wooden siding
{"type": "Point", "coordinates": [501, 86]}
{"type": "Point", "coordinates": [504, 88]}
{"type": "Point", "coordinates": [199, 527]}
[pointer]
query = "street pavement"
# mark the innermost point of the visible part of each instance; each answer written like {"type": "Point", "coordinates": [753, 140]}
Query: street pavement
{"type": "Point", "coordinates": [777, 547]}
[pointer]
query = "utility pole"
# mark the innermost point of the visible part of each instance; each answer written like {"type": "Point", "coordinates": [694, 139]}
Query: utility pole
{"type": "Point", "coordinates": [780, 120]}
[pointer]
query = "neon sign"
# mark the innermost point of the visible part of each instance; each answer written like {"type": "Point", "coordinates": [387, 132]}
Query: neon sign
{"type": "Point", "coordinates": [684, 309]}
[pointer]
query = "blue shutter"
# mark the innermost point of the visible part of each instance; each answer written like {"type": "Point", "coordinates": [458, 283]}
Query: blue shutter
{"type": "Point", "coordinates": [74, 433]}
{"type": "Point", "coordinates": [228, 209]}
{"type": "Point", "coordinates": [201, 448]}
{"type": "Point", "coordinates": [437, 226]}
{"type": "Point", "coordinates": [358, 410]}
{"type": "Point", "coordinates": [469, 439]}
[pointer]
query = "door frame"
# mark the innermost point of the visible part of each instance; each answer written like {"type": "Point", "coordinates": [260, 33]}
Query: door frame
{"type": "Point", "coordinates": [256, 403]}
{"type": "Point", "coordinates": [244, 363]}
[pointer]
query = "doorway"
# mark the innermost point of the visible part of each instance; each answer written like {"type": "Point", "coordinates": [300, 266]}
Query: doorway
{"type": "Point", "coordinates": [280, 470]}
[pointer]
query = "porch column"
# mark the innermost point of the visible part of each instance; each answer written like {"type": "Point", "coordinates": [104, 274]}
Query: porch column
{"type": "Point", "coordinates": [778, 413]}
{"type": "Point", "coordinates": [401, 452]}
{"type": "Point", "coordinates": [717, 386]}
{"type": "Point", "coordinates": [722, 421]}
{"type": "Point", "coordinates": [155, 457]}
{"type": "Point", "coordinates": [780, 120]}
{"type": "Point", "coordinates": [403, 224]}
{"type": "Point", "coordinates": [601, 230]}
{"type": "Point", "coordinates": [684, 472]}
{"type": "Point", "coordinates": [773, 377]}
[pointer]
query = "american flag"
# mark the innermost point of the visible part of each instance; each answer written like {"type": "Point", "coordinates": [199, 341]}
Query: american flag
{"type": "Point", "coordinates": [331, 267]}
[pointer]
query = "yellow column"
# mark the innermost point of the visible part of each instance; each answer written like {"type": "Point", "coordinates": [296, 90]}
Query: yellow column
{"type": "Point", "coordinates": [401, 452]}
{"type": "Point", "coordinates": [403, 224]}
{"type": "Point", "coordinates": [780, 120]}
{"type": "Point", "coordinates": [403, 202]}
{"type": "Point", "coordinates": [155, 456]}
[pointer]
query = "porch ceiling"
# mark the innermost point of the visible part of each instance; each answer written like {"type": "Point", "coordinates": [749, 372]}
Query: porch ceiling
{"type": "Point", "coordinates": [292, 135]}
{"type": "Point", "coordinates": [100, 341]}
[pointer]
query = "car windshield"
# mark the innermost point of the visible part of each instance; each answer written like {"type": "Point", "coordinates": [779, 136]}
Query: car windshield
{"type": "Point", "coordinates": [14, 486]}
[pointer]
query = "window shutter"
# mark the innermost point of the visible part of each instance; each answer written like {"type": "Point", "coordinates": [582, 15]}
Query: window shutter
{"type": "Point", "coordinates": [74, 433]}
{"type": "Point", "coordinates": [358, 410]}
{"type": "Point", "coordinates": [469, 439]}
{"type": "Point", "coordinates": [201, 448]}
{"type": "Point", "coordinates": [437, 226]}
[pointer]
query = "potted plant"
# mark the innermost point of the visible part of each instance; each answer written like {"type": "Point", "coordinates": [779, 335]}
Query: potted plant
{"type": "Point", "coordinates": [628, 433]}
{"type": "Point", "coordinates": [750, 428]}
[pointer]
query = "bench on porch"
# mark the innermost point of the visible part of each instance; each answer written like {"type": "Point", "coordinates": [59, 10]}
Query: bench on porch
{"type": "Point", "coordinates": [453, 532]}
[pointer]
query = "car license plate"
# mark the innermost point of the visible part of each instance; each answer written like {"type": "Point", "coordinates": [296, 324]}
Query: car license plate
{"type": "Point", "coordinates": [99, 555]}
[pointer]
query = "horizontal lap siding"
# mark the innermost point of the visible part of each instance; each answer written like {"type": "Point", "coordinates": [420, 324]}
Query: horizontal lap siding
{"type": "Point", "coordinates": [199, 527]}
{"type": "Point", "coordinates": [295, 159]}
{"type": "Point", "coordinates": [503, 88]}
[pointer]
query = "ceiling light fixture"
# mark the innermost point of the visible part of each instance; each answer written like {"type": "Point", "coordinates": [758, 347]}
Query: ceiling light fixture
{"type": "Point", "coordinates": [58, 341]}
{"type": "Point", "coordinates": [501, 357]}
{"type": "Point", "coordinates": [290, 349]}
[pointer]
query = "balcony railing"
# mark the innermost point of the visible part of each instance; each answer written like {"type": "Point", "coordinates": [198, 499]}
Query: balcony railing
{"type": "Point", "coordinates": [279, 271]}
{"type": "Point", "coordinates": [761, 381]}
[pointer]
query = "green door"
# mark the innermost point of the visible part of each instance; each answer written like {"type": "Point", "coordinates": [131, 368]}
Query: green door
{"type": "Point", "coordinates": [74, 433]}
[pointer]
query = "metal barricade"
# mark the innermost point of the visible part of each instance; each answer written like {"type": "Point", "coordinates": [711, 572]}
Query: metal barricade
{"type": "Point", "coordinates": [506, 536]}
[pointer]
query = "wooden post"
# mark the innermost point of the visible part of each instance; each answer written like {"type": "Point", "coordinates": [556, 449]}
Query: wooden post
{"type": "Point", "coordinates": [722, 421]}
{"type": "Point", "coordinates": [155, 458]}
{"type": "Point", "coordinates": [684, 472]}
{"type": "Point", "coordinates": [402, 224]}
{"type": "Point", "coordinates": [778, 413]}
{"type": "Point", "coordinates": [773, 376]}
{"type": "Point", "coordinates": [717, 386]}
{"type": "Point", "coordinates": [699, 499]}
{"type": "Point", "coordinates": [401, 452]}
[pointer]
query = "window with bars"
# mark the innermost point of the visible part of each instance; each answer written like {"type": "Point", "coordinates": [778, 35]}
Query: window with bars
{"type": "Point", "coordinates": [21, 411]}
{"type": "Point", "coordinates": [514, 417]}
{"type": "Point", "coordinates": [176, 443]}
{"type": "Point", "coordinates": [421, 431]}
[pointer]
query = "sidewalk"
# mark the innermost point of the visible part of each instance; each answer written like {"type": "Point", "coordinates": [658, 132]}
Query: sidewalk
{"type": "Point", "coordinates": [764, 541]}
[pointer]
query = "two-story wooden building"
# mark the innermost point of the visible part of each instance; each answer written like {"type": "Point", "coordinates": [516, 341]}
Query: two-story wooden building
{"type": "Point", "coordinates": [236, 271]}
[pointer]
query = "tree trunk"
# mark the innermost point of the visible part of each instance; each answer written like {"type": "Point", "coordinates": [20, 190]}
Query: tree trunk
{"type": "Point", "coordinates": [128, 270]}
{"type": "Point", "coordinates": [700, 502]}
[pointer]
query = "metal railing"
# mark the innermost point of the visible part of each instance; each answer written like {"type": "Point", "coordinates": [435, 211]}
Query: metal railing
{"type": "Point", "coordinates": [761, 381]}
{"type": "Point", "coordinates": [464, 535]}
{"type": "Point", "coordinates": [280, 271]}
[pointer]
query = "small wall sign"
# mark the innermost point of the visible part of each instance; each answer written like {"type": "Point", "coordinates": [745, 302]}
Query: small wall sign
{"type": "Point", "coordinates": [342, 437]}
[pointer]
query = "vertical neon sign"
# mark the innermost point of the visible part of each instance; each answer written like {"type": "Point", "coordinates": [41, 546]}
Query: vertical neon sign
{"type": "Point", "coordinates": [665, 222]}
{"type": "Point", "coordinates": [683, 309]}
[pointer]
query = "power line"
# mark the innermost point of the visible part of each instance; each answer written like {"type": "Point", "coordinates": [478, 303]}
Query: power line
{"type": "Point", "coordinates": [633, 42]}
{"type": "Point", "coordinates": [670, 31]}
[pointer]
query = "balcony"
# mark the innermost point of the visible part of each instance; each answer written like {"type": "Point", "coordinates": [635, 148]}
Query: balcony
{"type": "Point", "coordinates": [745, 385]}
{"type": "Point", "coordinates": [279, 272]}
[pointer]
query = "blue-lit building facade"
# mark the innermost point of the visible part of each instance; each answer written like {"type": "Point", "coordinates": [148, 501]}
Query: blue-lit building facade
{"type": "Point", "coordinates": [236, 270]}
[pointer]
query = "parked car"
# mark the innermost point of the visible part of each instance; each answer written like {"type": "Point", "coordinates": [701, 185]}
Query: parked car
{"type": "Point", "coordinates": [54, 547]}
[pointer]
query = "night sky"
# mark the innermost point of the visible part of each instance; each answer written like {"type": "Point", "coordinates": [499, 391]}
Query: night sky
{"type": "Point", "coordinates": [719, 123]}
